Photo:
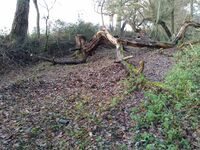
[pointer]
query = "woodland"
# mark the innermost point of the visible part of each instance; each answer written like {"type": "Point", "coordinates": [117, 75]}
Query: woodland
{"type": "Point", "coordinates": [132, 83]}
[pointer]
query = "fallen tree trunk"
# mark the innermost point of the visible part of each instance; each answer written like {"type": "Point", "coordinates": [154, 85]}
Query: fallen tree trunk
{"type": "Point", "coordinates": [60, 62]}
{"type": "Point", "coordinates": [104, 36]}
{"type": "Point", "coordinates": [147, 43]}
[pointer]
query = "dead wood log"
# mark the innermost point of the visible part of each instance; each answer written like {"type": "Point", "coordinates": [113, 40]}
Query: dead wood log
{"type": "Point", "coordinates": [146, 43]}
{"type": "Point", "coordinates": [119, 49]}
{"type": "Point", "coordinates": [60, 62]}
{"type": "Point", "coordinates": [104, 36]}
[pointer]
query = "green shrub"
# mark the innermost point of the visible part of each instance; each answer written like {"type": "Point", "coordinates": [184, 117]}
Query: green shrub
{"type": "Point", "coordinates": [171, 117]}
{"type": "Point", "coordinates": [68, 32]}
{"type": "Point", "coordinates": [61, 37]}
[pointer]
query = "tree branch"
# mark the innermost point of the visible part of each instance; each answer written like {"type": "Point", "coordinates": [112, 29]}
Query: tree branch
{"type": "Point", "coordinates": [183, 29]}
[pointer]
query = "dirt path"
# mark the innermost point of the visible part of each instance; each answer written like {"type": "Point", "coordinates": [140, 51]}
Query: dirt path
{"type": "Point", "coordinates": [77, 107]}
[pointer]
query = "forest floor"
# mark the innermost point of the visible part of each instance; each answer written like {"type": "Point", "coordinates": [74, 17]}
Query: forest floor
{"type": "Point", "coordinates": [74, 107]}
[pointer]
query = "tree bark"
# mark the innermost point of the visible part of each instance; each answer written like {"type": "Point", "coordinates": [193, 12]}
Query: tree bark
{"type": "Point", "coordinates": [46, 32]}
{"type": "Point", "coordinates": [38, 18]}
{"type": "Point", "coordinates": [20, 23]}
{"type": "Point", "coordinates": [164, 26]}
{"type": "Point", "coordinates": [183, 29]}
{"type": "Point", "coordinates": [123, 28]}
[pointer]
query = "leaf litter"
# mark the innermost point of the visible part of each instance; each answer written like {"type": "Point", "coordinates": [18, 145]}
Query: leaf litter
{"type": "Point", "coordinates": [73, 107]}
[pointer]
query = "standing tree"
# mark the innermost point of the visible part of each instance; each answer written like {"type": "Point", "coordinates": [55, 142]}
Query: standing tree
{"type": "Point", "coordinates": [191, 8]}
{"type": "Point", "coordinates": [20, 23]}
{"type": "Point", "coordinates": [47, 28]}
{"type": "Point", "coordinates": [38, 18]}
{"type": "Point", "coordinates": [172, 2]}
{"type": "Point", "coordinates": [99, 8]}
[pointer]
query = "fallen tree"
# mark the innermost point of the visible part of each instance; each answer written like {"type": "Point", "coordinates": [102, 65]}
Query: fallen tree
{"type": "Point", "coordinates": [104, 36]}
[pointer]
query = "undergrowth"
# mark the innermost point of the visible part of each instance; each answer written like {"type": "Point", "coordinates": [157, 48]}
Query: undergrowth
{"type": "Point", "coordinates": [170, 119]}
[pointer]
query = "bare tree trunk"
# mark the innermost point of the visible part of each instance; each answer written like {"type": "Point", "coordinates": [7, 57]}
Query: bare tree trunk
{"type": "Point", "coordinates": [164, 26]}
{"type": "Point", "coordinates": [111, 22]}
{"type": "Point", "coordinates": [160, 22]}
{"type": "Point", "coordinates": [191, 8]}
{"type": "Point", "coordinates": [38, 18]}
{"type": "Point", "coordinates": [102, 18]}
{"type": "Point", "coordinates": [123, 28]}
{"type": "Point", "coordinates": [119, 23]}
{"type": "Point", "coordinates": [172, 17]}
{"type": "Point", "coordinates": [47, 30]}
{"type": "Point", "coordinates": [20, 23]}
